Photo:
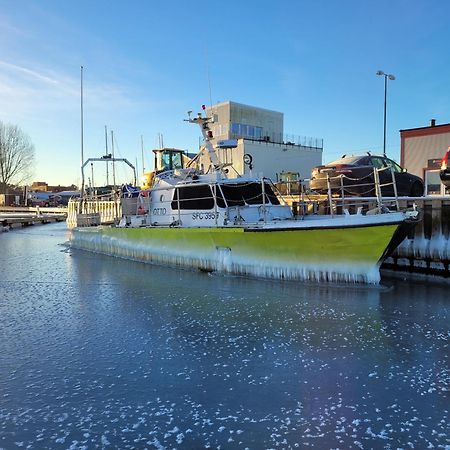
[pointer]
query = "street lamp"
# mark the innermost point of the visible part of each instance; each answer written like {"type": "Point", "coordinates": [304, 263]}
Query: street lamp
{"type": "Point", "coordinates": [386, 77]}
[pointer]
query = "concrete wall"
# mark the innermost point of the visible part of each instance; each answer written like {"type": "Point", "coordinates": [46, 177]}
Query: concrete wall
{"type": "Point", "coordinates": [426, 250]}
{"type": "Point", "coordinates": [231, 112]}
{"type": "Point", "coordinates": [220, 127]}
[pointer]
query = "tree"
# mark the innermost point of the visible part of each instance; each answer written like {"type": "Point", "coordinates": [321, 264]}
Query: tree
{"type": "Point", "coordinates": [16, 156]}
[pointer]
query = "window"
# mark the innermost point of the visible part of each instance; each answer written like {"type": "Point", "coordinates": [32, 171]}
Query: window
{"type": "Point", "coordinates": [245, 194]}
{"type": "Point", "coordinates": [432, 182]}
{"type": "Point", "coordinates": [394, 165]}
{"type": "Point", "coordinates": [193, 197]}
{"type": "Point", "coordinates": [246, 131]}
{"type": "Point", "coordinates": [351, 160]}
{"type": "Point", "coordinates": [377, 162]}
{"type": "Point", "coordinates": [171, 160]}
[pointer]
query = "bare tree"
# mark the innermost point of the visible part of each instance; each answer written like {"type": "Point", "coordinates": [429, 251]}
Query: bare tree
{"type": "Point", "coordinates": [16, 156]}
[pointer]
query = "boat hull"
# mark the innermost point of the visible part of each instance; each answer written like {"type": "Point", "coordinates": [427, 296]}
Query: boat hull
{"type": "Point", "coordinates": [350, 254]}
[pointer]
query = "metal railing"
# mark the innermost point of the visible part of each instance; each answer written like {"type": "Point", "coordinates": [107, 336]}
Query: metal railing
{"type": "Point", "coordinates": [93, 211]}
{"type": "Point", "coordinates": [262, 135]}
{"type": "Point", "coordinates": [343, 193]}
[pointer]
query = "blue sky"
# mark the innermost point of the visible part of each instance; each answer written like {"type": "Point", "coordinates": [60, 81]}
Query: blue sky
{"type": "Point", "coordinates": [147, 63]}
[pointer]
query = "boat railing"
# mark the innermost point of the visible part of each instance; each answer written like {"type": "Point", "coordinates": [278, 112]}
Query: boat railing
{"type": "Point", "coordinates": [343, 193]}
{"type": "Point", "coordinates": [93, 211]}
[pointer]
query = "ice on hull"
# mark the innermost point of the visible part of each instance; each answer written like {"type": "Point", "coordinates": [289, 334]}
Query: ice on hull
{"type": "Point", "coordinates": [300, 255]}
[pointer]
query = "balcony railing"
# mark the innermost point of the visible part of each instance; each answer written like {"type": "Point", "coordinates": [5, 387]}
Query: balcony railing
{"type": "Point", "coordinates": [254, 133]}
{"type": "Point", "coordinates": [284, 139]}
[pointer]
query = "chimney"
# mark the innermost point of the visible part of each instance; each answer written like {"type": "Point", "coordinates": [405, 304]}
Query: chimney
{"type": "Point", "coordinates": [432, 122]}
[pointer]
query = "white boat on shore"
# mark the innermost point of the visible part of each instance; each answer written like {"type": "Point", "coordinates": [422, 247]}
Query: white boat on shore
{"type": "Point", "coordinates": [239, 226]}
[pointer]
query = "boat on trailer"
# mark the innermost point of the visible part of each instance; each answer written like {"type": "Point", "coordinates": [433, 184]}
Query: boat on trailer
{"type": "Point", "coordinates": [212, 222]}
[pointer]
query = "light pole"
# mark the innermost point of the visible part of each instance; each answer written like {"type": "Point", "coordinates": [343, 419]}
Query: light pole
{"type": "Point", "coordinates": [386, 77]}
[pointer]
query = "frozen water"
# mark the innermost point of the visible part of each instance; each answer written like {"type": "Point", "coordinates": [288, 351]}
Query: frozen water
{"type": "Point", "coordinates": [98, 352]}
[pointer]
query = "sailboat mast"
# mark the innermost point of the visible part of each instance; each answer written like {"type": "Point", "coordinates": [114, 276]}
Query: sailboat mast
{"type": "Point", "coordinates": [142, 151]}
{"type": "Point", "coordinates": [82, 129]}
{"type": "Point", "coordinates": [113, 165]}
{"type": "Point", "coordinates": [106, 154]}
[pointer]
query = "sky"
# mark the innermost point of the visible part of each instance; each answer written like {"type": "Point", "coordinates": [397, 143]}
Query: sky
{"type": "Point", "coordinates": [146, 63]}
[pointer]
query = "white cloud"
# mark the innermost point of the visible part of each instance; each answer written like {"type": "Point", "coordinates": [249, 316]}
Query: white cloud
{"type": "Point", "coordinates": [30, 73]}
{"type": "Point", "coordinates": [26, 91]}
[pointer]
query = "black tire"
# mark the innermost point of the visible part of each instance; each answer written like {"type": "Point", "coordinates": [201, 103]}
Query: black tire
{"type": "Point", "coordinates": [416, 190]}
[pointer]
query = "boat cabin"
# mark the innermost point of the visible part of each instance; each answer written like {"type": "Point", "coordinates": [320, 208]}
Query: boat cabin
{"type": "Point", "coordinates": [168, 159]}
{"type": "Point", "coordinates": [185, 197]}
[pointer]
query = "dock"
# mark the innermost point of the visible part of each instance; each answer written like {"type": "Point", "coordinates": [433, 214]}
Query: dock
{"type": "Point", "coordinates": [19, 217]}
{"type": "Point", "coordinates": [426, 250]}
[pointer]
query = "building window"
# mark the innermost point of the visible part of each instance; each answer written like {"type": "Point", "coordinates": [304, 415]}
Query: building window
{"type": "Point", "coordinates": [235, 128]}
{"type": "Point", "coordinates": [433, 182]}
{"type": "Point", "coordinates": [246, 131]}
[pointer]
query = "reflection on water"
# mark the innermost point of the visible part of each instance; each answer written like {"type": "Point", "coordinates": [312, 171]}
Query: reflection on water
{"type": "Point", "coordinates": [102, 352]}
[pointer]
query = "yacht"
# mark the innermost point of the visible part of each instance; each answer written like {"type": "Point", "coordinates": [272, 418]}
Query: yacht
{"type": "Point", "coordinates": [210, 221]}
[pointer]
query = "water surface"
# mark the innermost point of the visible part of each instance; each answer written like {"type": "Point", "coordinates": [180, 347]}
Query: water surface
{"type": "Point", "coordinates": [98, 352]}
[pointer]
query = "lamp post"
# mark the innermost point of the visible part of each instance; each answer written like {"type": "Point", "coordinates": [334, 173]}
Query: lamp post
{"type": "Point", "coordinates": [386, 77]}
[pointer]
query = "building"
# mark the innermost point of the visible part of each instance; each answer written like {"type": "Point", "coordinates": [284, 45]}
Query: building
{"type": "Point", "coordinates": [42, 186]}
{"type": "Point", "coordinates": [421, 152]}
{"type": "Point", "coordinates": [259, 133]}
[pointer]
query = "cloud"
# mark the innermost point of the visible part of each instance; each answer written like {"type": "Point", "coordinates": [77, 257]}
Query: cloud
{"type": "Point", "coordinates": [30, 73]}
{"type": "Point", "coordinates": [27, 91]}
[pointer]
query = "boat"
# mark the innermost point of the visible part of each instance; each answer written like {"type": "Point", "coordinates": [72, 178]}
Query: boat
{"type": "Point", "coordinates": [240, 226]}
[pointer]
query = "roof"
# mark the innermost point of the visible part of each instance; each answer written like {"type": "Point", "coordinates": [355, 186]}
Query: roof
{"type": "Point", "coordinates": [428, 129]}
{"type": "Point", "coordinates": [242, 105]}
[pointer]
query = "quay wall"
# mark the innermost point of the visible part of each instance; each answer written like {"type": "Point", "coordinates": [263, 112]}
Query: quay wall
{"type": "Point", "coordinates": [426, 250]}
{"type": "Point", "coordinates": [17, 217]}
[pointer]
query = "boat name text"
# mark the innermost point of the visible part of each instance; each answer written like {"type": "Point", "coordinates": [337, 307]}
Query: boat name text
{"type": "Point", "coordinates": [206, 216]}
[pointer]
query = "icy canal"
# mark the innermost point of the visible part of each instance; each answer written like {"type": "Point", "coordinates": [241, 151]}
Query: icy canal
{"type": "Point", "coordinates": [97, 352]}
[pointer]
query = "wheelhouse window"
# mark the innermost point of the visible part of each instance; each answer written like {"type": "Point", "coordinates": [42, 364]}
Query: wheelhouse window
{"type": "Point", "coordinates": [193, 197]}
{"type": "Point", "coordinates": [245, 194]}
{"type": "Point", "coordinates": [171, 160]}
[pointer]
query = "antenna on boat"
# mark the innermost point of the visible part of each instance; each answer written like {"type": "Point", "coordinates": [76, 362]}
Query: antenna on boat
{"type": "Point", "coordinates": [203, 122]}
{"type": "Point", "coordinates": [209, 76]}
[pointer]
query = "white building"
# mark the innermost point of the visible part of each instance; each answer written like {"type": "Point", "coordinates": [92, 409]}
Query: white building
{"type": "Point", "coordinates": [259, 133]}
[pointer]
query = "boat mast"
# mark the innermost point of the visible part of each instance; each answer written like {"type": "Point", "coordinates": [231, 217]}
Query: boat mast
{"type": "Point", "coordinates": [142, 151]}
{"type": "Point", "coordinates": [82, 130]}
{"type": "Point", "coordinates": [203, 123]}
{"type": "Point", "coordinates": [106, 154]}
{"type": "Point", "coordinates": [113, 165]}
